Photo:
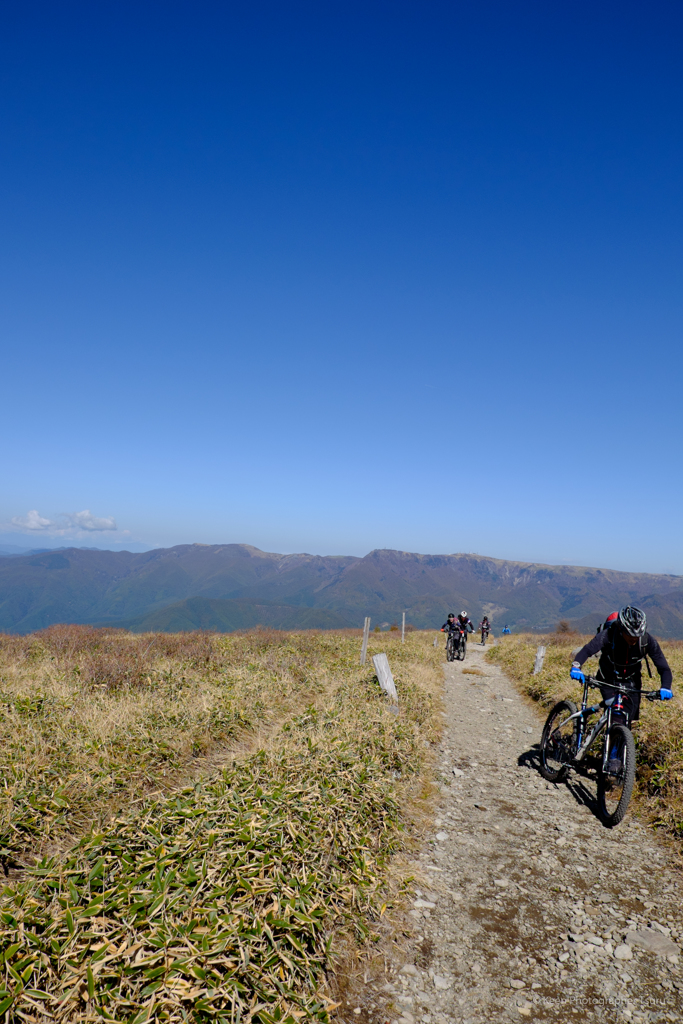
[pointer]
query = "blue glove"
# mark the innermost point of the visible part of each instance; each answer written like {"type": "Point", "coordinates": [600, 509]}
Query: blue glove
{"type": "Point", "coordinates": [576, 673]}
{"type": "Point", "coordinates": [665, 694]}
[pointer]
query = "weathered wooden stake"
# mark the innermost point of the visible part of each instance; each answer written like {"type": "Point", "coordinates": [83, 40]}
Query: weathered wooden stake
{"type": "Point", "coordinates": [386, 680]}
{"type": "Point", "coordinates": [403, 628]}
{"type": "Point", "coordinates": [366, 633]}
{"type": "Point", "coordinates": [540, 655]}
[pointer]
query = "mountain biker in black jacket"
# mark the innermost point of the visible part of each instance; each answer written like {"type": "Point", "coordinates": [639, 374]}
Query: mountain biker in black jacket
{"type": "Point", "coordinates": [465, 623]}
{"type": "Point", "coordinates": [622, 648]}
{"type": "Point", "coordinates": [449, 624]}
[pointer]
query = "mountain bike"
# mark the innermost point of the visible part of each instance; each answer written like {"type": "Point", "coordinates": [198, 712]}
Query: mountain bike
{"type": "Point", "coordinates": [568, 735]}
{"type": "Point", "coordinates": [456, 648]}
{"type": "Point", "coordinates": [484, 635]}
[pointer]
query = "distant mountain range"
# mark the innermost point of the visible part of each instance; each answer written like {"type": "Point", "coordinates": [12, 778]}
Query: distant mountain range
{"type": "Point", "coordinates": [236, 586]}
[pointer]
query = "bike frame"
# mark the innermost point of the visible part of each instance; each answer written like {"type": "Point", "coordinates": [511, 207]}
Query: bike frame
{"type": "Point", "coordinates": [585, 739]}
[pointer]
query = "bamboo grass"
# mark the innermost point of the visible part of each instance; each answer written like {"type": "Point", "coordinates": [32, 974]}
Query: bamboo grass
{"type": "Point", "coordinates": [219, 901]}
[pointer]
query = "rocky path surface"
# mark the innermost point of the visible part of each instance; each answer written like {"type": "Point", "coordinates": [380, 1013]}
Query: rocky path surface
{"type": "Point", "coordinates": [527, 907]}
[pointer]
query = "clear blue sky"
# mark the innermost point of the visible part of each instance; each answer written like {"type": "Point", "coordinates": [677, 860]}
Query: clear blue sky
{"type": "Point", "coordinates": [330, 277]}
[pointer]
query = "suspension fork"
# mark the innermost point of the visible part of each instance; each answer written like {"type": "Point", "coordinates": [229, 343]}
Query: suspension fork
{"type": "Point", "coordinates": [623, 719]}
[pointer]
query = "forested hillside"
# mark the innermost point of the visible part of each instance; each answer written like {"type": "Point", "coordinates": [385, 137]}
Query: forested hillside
{"type": "Point", "coordinates": [241, 586]}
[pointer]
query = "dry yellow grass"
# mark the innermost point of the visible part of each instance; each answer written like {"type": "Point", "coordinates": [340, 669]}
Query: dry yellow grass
{"type": "Point", "coordinates": [658, 734]}
{"type": "Point", "coordinates": [215, 900]}
{"type": "Point", "coordinates": [90, 721]}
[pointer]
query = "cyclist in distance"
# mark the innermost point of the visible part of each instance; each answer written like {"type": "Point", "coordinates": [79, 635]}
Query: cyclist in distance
{"type": "Point", "coordinates": [449, 624]}
{"type": "Point", "coordinates": [450, 627]}
{"type": "Point", "coordinates": [622, 648]}
{"type": "Point", "coordinates": [506, 629]}
{"type": "Point", "coordinates": [485, 627]}
{"type": "Point", "coordinates": [464, 622]}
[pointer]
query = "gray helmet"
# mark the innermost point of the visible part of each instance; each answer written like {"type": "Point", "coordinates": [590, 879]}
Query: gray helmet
{"type": "Point", "coordinates": [632, 621]}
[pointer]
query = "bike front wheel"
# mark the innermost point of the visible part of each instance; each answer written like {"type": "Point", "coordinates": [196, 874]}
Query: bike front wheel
{"type": "Point", "coordinates": [559, 741]}
{"type": "Point", "coordinates": [615, 788]}
{"type": "Point", "coordinates": [462, 651]}
{"type": "Point", "coordinates": [450, 650]}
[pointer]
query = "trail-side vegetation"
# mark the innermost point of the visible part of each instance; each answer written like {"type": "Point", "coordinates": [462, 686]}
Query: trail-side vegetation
{"type": "Point", "coordinates": [658, 733]}
{"type": "Point", "coordinates": [164, 887]}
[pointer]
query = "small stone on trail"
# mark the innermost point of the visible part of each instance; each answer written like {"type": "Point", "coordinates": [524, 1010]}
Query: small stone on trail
{"type": "Point", "coordinates": [441, 836]}
{"type": "Point", "coordinates": [623, 952]}
{"type": "Point", "coordinates": [458, 772]}
{"type": "Point", "coordinates": [654, 942]}
{"type": "Point", "coordinates": [516, 983]}
{"type": "Point", "coordinates": [441, 982]}
{"type": "Point", "coordinates": [409, 969]}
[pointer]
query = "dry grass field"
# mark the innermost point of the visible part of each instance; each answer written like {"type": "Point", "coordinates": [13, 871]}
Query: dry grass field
{"type": "Point", "coordinates": [188, 821]}
{"type": "Point", "coordinates": [658, 734]}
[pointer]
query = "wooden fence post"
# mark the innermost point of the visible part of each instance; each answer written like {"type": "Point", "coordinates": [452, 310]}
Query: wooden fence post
{"type": "Point", "coordinates": [366, 633]}
{"type": "Point", "coordinates": [538, 663]}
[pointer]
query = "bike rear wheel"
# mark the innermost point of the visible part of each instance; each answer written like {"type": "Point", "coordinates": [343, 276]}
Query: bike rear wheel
{"type": "Point", "coordinates": [450, 649]}
{"type": "Point", "coordinates": [614, 791]}
{"type": "Point", "coordinates": [558, 741]}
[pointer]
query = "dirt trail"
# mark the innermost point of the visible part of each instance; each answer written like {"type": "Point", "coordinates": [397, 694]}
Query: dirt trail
{"type": "Point", "coordinates": [527, 907]}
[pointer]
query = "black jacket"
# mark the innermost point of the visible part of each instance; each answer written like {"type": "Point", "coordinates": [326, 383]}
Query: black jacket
{"type": "Point", "coordinates": [619, 661]}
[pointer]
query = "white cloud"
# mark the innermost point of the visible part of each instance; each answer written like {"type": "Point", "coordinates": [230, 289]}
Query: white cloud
{"type": "Point", "coordinates": [66, 523]}
{"type": "Point", "coordinates": [32, 521]}
{"type": "Point", "coordinates": [85, 520]}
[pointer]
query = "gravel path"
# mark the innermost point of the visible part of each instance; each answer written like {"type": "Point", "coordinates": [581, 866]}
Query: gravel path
{"type": "Point", "coordinates": [527, 906]}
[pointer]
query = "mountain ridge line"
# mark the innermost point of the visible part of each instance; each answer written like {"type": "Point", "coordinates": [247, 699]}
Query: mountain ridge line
{"type": "Point", "coordinates": [86, 585]}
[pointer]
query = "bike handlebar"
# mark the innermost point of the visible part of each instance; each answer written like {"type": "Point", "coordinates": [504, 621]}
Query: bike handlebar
{"type": "Point", "coordinates": [597, 684]}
